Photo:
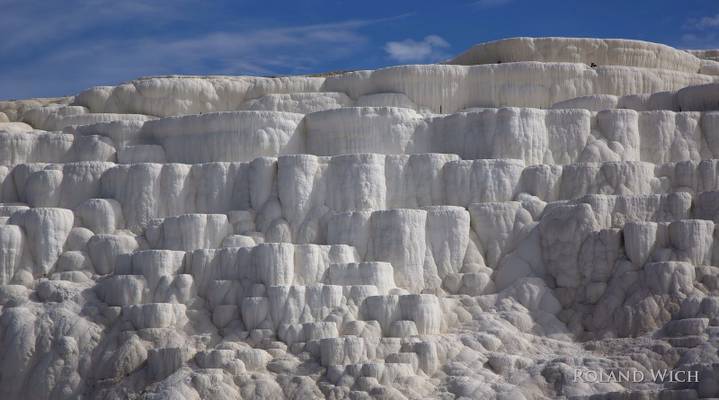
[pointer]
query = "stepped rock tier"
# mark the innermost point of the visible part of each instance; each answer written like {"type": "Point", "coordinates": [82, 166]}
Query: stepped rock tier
{"type": "Point", "coordinates": [508, 224]}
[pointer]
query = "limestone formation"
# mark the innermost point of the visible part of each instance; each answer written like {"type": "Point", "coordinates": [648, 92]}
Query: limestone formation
{"type": "Point", "coordinates": [531, 211]}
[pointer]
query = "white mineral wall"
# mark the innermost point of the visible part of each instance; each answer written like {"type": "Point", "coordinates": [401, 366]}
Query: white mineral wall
{"type": "Point", "coordinates": [530, 84]}
{"type": "Point", "coordinates": [340, 183]}
{"type": "Point", "coordinates": [690, 98]}
{"type": "Point", "coordinates": [581, 50]}
{"type": "Point", "coordinates": [21, 147]}
{"type": "Point", "coordinates": [237, 136]}
{"type": "Point", "coordinates": [305, 103]}
{"type": "Point", "coordinates": [708, 54]}
{"type": "Point", "coordinates": [170, 95]}
{"type": "Point", "coordinates": [557, 136]}
{"type": "Point", "coordinates": [413, 232]}
{"type": "Point", "coordinates": [449, 87]}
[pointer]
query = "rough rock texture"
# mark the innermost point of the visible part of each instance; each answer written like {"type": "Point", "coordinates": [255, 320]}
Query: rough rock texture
{"type": "Point", "coordinates": [486, 228]}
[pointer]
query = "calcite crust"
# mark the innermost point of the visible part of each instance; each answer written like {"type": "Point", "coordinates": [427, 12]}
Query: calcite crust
{"type": "Point", "coordinates": [503, 225]}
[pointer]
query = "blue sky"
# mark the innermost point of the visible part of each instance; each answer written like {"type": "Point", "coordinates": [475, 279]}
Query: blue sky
{"type": "Point", "coordinates": [54, 48]}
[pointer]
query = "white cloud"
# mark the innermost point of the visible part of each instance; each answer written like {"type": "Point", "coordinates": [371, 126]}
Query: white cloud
{"type": "Point", "coordinates": [408, 50]}
{"type": "Point", "coordinates": [490, 3]}
{"type": "Point", "coordinates": [258, 51]}
{"type": "Point", "coordinates": [66, 52]}
{"type": "Point", "coordinates": [704, 40]}
{"type": "Point", "coordinates": [705, 22]}
{"type": "Point", "coordinates": [74, 66]}
{"type": "Point", "coordinates": [701, 33]}
{"type": "Point", "coordinates": [30, 23]}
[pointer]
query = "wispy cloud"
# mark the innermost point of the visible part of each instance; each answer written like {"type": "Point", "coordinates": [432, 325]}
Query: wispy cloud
{"type": "Point", "coordinates": [704, 40]}
{"type": "Point", "coordinates": [490, 3]}
{"type": "Point", "coordinates": [73, 50]}
{"type": "Point", "coordinates": [701, 33]}
{"type": "Point", "coordinates": [262, 52]}
{"type": "Point", "coordinates": [703, 23]}
{"type": "Point", "coordinates": [431, 48]}
{"type": "Point", "coordinates": [257, 51]}
{"type": "Point", "coordinates": [29, 25]}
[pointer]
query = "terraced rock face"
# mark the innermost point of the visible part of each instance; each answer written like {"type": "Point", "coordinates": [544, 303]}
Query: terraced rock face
{"type": "Point", "coordinates": [507, 228]}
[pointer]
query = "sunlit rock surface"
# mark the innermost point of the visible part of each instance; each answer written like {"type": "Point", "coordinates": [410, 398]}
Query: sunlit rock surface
{"type": "Point", "coordinates": [490, 227]}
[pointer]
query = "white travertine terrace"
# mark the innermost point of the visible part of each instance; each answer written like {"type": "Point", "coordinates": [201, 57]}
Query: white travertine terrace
{"type": "Point", "coordinates": [709, 54]}
{"type": "Point", "coordinates": [632, 53]}
{"type": "Point", "coordinates": [435, 86]}
{"type": "Point", "coordinates": [477, 231]}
